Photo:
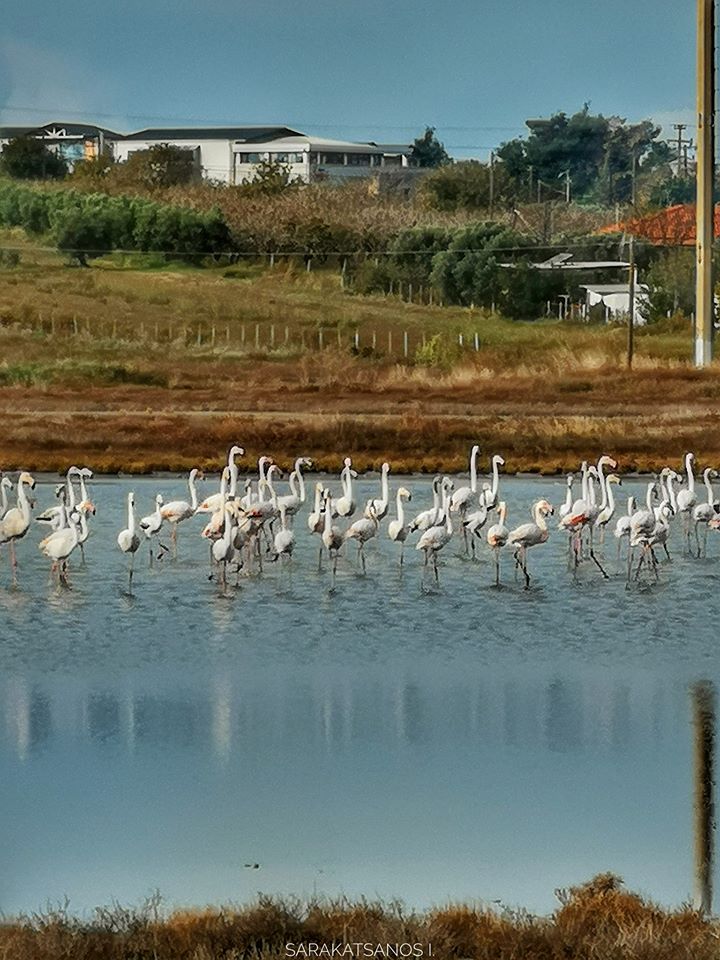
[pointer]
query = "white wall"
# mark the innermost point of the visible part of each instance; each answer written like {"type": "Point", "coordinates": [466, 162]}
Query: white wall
{"type": "Point", "coordinates": [216, 156]}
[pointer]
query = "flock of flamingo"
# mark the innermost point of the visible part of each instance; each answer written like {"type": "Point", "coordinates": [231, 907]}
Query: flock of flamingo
{"type": "Point", "coordinates": [246, 528]}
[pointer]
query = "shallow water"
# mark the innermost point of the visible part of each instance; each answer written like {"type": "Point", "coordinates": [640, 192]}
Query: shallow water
{"type": "Point", "coordinates": [455, 743]}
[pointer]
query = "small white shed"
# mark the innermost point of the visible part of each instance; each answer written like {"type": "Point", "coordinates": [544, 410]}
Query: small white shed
{"type": "Point", "coordinates": [615, 297]}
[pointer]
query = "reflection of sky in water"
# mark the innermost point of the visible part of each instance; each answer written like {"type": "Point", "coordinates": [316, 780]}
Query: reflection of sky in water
{"type": "Point", "coordinates": [471, 743]}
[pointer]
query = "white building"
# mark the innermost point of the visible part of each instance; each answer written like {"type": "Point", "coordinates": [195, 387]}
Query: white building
{"type": "Point", "coordinates": [311, 159]}
{"type": "Point", "coordinates": [615, 298]}
{"type": "Point", "coordinates": [212, 147]}
{"type": "Point", "coordinates": [72, 141]}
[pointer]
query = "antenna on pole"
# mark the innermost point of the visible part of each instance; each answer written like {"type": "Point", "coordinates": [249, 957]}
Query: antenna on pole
{"type": "Point", "coordinates": [704, 212]}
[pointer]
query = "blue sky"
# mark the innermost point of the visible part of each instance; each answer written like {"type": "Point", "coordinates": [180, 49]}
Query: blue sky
{"type": "Point", "coordinates": [355, 69]}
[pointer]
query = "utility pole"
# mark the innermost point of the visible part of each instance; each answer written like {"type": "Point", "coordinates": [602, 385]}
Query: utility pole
{"type": "Point", "coordinates": [633, 195]}
{"type": "Point", "coordinates": [492, 183]}
{"type": "Point", "coordinates": [631, 306]}
{"type": "Point", "coordinates": [680, 141]}
{"type": "Point", "coordinates": [704, 211]}
{"type": "Point", "coordinates": [703, 708]}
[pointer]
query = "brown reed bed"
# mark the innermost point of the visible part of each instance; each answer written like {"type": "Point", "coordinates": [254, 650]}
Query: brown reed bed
{"type": "Point", "coordinates": [598, 920]}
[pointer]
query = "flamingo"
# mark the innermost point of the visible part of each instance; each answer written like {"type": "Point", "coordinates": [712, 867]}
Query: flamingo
{"type": "Point", "coordinates": [363, 530]}
{"type": "Point", "coordinates": [438, 536]}
{"type": "Point", "coordinates": [5, 487]}
{"type": "Point", "coordinates": [381, 503]}
{"type": "Point", "coordinates": [214, 527]}
{"type": "Point", "coordinates": [296, 498]}
{"type": "Point", "coordinates": [567, 505]}
{"type": "Point", "coordinates": [223, 548]}
{"type": "Point", "coordinates": [316, 520]}
{"type": "Point", "coordinates": [331, 537]}
{"type": "Point", "coordinates": [66, 491]}
{"type": "Point", "coordinates": [687, 498]}
{"type": "Point", "coordinates": [284, 540]}
{"type": "Point", "coordinates": [705, 512]}
{"type": "Point", "coordinates": [215, 501]}
{"type": "Point", "coordinates": [497, 537]}
{"type": "Point", "coordinates": [530, 535]}
{"type": "Point", "coordinates": [345, 505]}
{"type": "Point", "coordinates": [16, 521]}
{"type": "Point", "coordinates": [127, 539]}
{"type": "Point", "coordinates": [152, 524]}
{"type": "Point", "coordinates": [431, 517]}
{"type": "Point", "coordinates": [60, 544]}
{"type": "Point", "coordinates": [463, 496]}
{"type": "Point", "coordinates": [397, 529]}
{"type": "Point", "coordinates": [607, 508]}
{"type": "Point", "coordinates": [177, 511]}
{"type": "Point", "coordinates": [490, 494]}
{"type": "Point", "coordinates": [641, 535]}
{"type": "Point", "coordinates": [622, 526]}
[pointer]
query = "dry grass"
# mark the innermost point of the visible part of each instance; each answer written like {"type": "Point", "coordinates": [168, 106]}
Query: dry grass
{"type": "Point", "coordinates": [104, 365]}
{"type": "Point", "coordinates": [596, 921]}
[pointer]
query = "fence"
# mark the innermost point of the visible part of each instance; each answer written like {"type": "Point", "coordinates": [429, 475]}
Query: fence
{"type": "Point", "coordinates": [231, 337]}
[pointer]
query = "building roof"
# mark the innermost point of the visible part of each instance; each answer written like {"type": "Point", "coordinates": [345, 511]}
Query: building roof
{"type": "Point", "coordinates": [606, 288]}
{"type": "Point", "coordinates": [246, 134]}
{"type": "Point", "coordinates": [59, 129]}
{"type": "Point", "coordinates": [315, 143]}
{"type": "Point", "coordinates": [674, 226]}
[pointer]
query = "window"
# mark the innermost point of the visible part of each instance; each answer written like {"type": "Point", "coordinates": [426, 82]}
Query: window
{"type": "Point", "coordinates": [336, 158]}
{"type": "Point", "coordinates": [377, 160]}
{"type": "Point", "coordinates": [286, 157]}
{"type": "Point", "coordinates": [251, 157]}
{"type": "Point", "coordinates": [358, 159]}
{"type": "Point", "coordinates": [393, 160]}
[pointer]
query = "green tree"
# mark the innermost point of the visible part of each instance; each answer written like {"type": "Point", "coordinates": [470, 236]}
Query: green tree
{"type": "Point", "coordinates": [466, 186]}
{"type": "Point", "coordinates": [162, 165]}
{"type": "Point", "coordinates": [672, 190]}
{"type": "Point", "coordinates": [27, 158]}
{"type": "Point", "coordinates": [671, 282]}
{"type": "Point", "coordinates": [427, 151]}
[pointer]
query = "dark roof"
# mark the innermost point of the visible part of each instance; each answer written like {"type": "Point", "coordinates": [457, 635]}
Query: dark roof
{"type": "Point", "coordinates": [71, 130]}
{"type": "Point", "coordinates": [249, 134]}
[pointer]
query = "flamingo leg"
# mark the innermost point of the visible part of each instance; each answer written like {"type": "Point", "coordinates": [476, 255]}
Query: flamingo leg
{"type": "Point", "coordinates": [435, 567]}
{"type": "Point", "coordinates": [597, 562]}
{"type": "Point", "coordinates": [496, 553]}
{"type": "Point", "coordinates": [13, 562]}
{"type": "Point", "coordinates": [525, 569]}
{"type": "Point", "coordinates": [130, 573]}
{"type": "Point", "coordinates": [705, 538]}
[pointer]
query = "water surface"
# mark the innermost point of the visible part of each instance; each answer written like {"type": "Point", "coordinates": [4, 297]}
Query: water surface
{"type": "Point", "coordinates": [455, 743]}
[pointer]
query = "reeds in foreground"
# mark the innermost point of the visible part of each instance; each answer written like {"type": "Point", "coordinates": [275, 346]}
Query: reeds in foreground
{"type": "Point", "coordinates": [596, 921]}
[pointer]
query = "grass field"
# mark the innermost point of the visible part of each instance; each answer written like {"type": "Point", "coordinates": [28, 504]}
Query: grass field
{"type": "Point", "coordinates": [597, 920]}
{"type": "Point", "coordinates": [138, 366]}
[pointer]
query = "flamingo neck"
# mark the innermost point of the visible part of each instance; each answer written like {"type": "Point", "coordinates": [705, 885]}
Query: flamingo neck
{"type": "Point", "coordinates": [473, 470]}
{"type": "Point", "coordinates": [400, 509]}
{"type": "Point", "coordinates": [708, 487]}
{"type": "Point", "coordinates": [131, 518]}
{"type": "Point", "coordinates": [193, 492]}
{"type": "Point", "coordinates": [690, 475]}
{"type": "Point", "coordinates": [495, 478]}
{"type": "Point", "coordinates": [23, 502]}
{"type": "Point", "coordinates": [385, 487]}
{"type": "Point", "coordinates": [300, 479]}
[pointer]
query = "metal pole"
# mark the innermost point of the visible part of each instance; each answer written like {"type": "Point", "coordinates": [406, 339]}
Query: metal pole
{"type": "Point", "coordinates": [492, 184]}
{"type": "Point", "coordinates": [703, 706]}
{"type": "Point", "coordinates": [631, 306]}
{"type": "Point", "coordinates": [704, 296]}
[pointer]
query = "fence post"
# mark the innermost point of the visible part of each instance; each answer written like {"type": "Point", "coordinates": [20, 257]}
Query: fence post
{"type": "Point", "coordinates": [477, 342]}
{"type": "Point", "coordinates": [287, 334]}
{"type": "Point", "coordinates": [405, 344]}
{"type": "Point", "coordinates": [357, 339]}
{"type": "Point", "coordinates": [389, 341]}
{"type": "Point", "coordinates": [272, 335]}
{"type": "Point", "coordinates": [75, 324]}
{"type": "Point", "coordinates": [242, 335]}
{"type": "Point", "coordinates": [374, 339]}
{"type": "Point", "coordinates": [199, 334]}
{"type": "Point", "coordinates": [410, 293]}
{"type": "Point", "coordinates": [320, 338]}
{"type": "Point", "coordinates": [114, 327]}
{"type": "Point", "coordinates": [460, 340]}
{"type": "Point", "coordinates": [257, 336]}
{"type": "Point", "coordinates": [212, 336]}
{"type": "Point", "coordinates": [227, 334]}
{"type": "Point", "coordinates": [339, 338]}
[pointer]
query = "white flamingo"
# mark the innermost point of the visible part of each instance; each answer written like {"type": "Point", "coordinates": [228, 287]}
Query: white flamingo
{"type": "Point", "coordinates": [433, 516]}
{"type": "Point", "coordinates": [127, 539]}
{"type": "Point", "coordinates": [363, 530]}
{"type": "Point", "coordinates": [177, 511]}
{"type": "Point", "coordinates": [296, 498]}
{"type": "Point", "coordinates": [60, 544]}
{"type": "Point", "coordinates": [438, 536]}
{"type": "Point", "coordinates": [567, 505]}
{"type": "Point", "coordinates": [215, 501]}
{"type": "Point", "coordinates": [490, 494]}
{"type": "Point", "coordinates": [380, 504]}
{"type": "Point", "coordinates": [332, 538]}
{"type": "Point", "coordinates": [497, 537]}
{"type": "Point", "coordinates": [397, 529]}
{"type": "Point", "coordinates": [316, 520]}
{"type": "Point", "coordinates": [345, 504]}
{"type": "Point", "coordinates": [687, 497]}
{"type": "Point", "coordinates": [704, 512]}
{"type": "Point", "coordinates": [5, 487]}
{"type": "Point", "coordinates": [152, 524]}
{"type": "Point", "coordinates": [16, 522]}
{"type": "Point", "coordinates": [284, 540]}
{"type": "Point", "coordinates": [530, 535]}
{"type": "Point", "coordinates": [463, 497]}
{"type": "Point", "coordinates": [622, 526]}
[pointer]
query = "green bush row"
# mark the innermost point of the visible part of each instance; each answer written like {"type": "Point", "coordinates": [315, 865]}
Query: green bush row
{"type": "Point", "coordinates": [86, 225]}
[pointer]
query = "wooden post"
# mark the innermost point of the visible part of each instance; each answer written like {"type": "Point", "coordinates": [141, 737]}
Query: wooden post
{"type": "Point", "coordinates": [272, 335]}
{"type": "Point", "coordinates": [405, 344]}
{"type": "Point", "coordinates": [242, 335]}
{"type": "Point", "coordinates": [320, 338]}
{"type": "Point", "coordinates": [374, 340]}
{"type": "Point", "coordinates": [257, 336]}
{"type": "Point", "coordinates": [477, 342]}
{"type": "Point", "coordinates": [157, 332]}
{"type": "Point", "coordinates": [460, 340]}
{"type": "Point", "coordinates": [227, 334]}
{"type": "Point", "coordinates": [75, 324]}
{"type": "Point", "coordinates": [212, 336]}
{"type": "Point", "coordinates": [703, 707]}
{"type": "Point", "coordinates": [357, 339]}
{"type": "Point", "coordinates": [199, 334]}
{"type": "Point", "coordinates": [389, 341]}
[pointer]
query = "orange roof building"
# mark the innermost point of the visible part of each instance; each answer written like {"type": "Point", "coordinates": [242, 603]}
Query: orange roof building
{"type": "Point", "coordinates": [673, 226]}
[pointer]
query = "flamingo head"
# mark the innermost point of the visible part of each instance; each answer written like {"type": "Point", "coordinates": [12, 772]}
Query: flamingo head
{"type": "Point", "coordinates": [404, 492]}
{"type": "Point", "coordinates": [86, 473]}
{"type": "Point", "coordinates": [27, 479]}
{"type": "Point", "coordinates": [87, 506]}
{"type": "Point", "coordinates": [159, 499]}
{"type": "Point", "coordinates": [606, 461]}
{"type": "Point", "coordinates": [546, 508]}
{"type": "Point", "coordinates": [614, 478]}
{"type": "Point", "coordinates": [236, 451]}
{"type": "Point", "coordinates": [570, 479]}
{"type": "Point", "coordinates": [500, 461]}
{"type": "Point", "coordinates": [347, 462]}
